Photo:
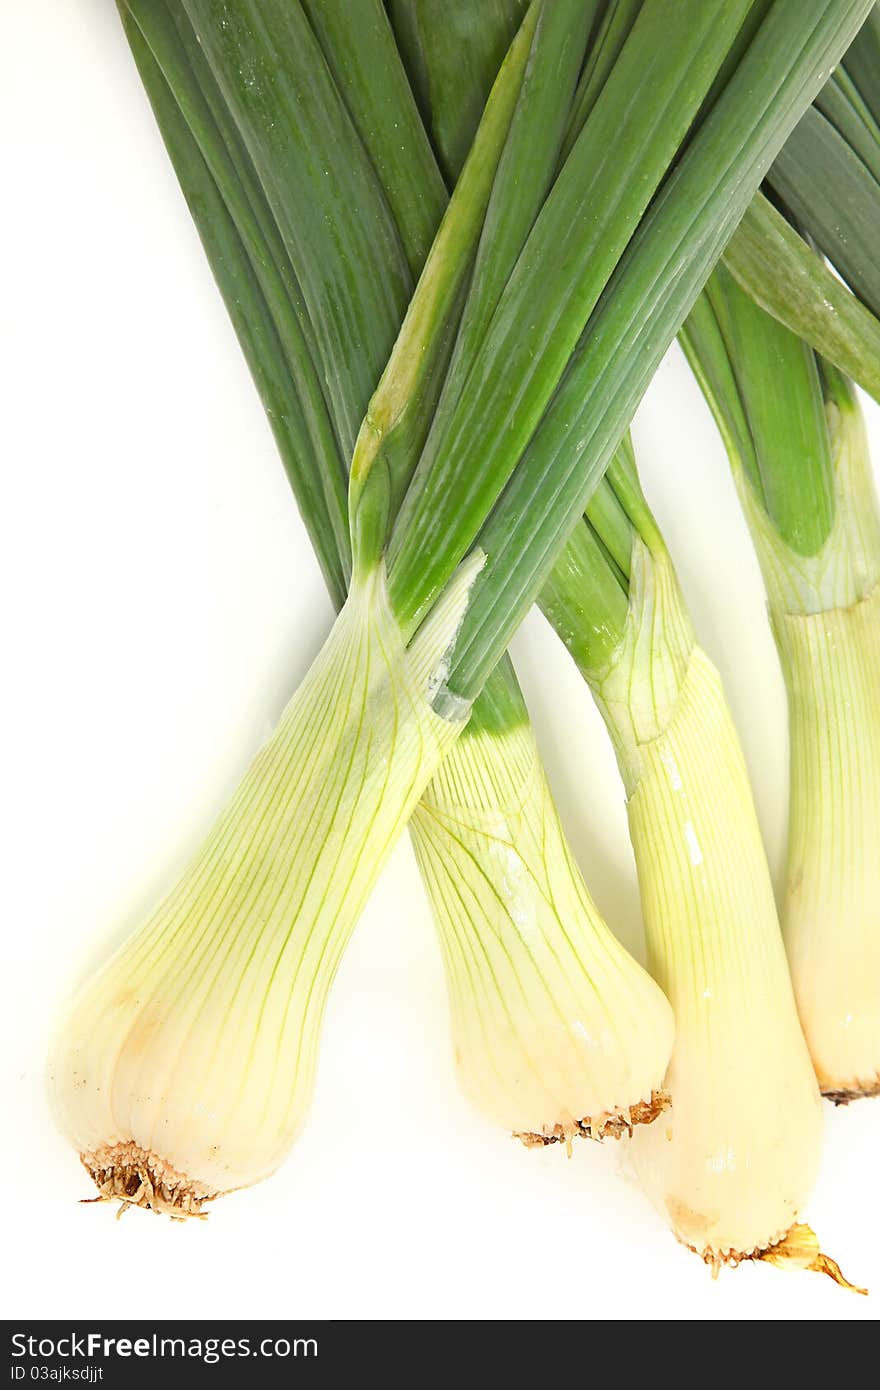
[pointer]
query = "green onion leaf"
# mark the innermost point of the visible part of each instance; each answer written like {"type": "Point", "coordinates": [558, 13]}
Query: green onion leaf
{"type": "Point", "coordinates": [835, 197]}
{"type": "Point", "coordinates": [646, 302]}
{"type": "Point", "coordinates": [786, 277]}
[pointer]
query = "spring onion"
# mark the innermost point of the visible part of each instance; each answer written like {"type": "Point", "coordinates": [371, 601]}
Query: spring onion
{"type": "Point", "coordinates": [797, 445]}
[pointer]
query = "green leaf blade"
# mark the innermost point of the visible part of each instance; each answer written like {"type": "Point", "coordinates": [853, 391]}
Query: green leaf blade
{"type": "Point", "coordinates": [335, 222]}
{"type": "Point", "coordinates": [637, 124]}
{"type": "Point", "coordinates": [786, 277]}
{"type": "Point", "coordinates": [834, 196]}
{"type": "Point", "coordinates": [643, 308]}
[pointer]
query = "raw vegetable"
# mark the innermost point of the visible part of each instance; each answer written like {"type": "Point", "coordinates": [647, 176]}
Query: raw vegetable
{"type": "Point", "coordinates": [438, 589]}
{"type": "Point", "coordinates": [797, 446]}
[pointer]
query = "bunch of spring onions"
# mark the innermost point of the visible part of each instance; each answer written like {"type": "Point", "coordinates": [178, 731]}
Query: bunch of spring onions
{"type": "Point", "coordinates": [438, 502]}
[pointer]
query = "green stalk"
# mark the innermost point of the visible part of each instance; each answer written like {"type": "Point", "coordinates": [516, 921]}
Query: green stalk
{"type": "Point", "coordinates": [358, 43]}
{"type": "Point", "coordinates": [279, 90]}
{"type": "Point", "coordinates": [778, 381]}
{"type": "Point", "coordinates": [614, 29]}
{"type": "Point", "coordinates": [453, 50]}
{"type": "Point", "coordinates": [861, 62]}
{"type": "Point", "coordinates": [766, 254]}
{"type": "Point", "coordinates": [401, 409]}
{"type": "Point", "coordinates": [214, 182]}
{"type": "Point", "coordinates": [836, 198]}
{"type": "Point", "coordinates": [842, 105]}
{"type": "Point", "coordinates": [710, 919]}
{"type": "Point", "coordinates": [488, 837]}
{"type": "Point", "coordinates": [703, 872]}
{"type": "Point", "coordinates": [527, 165]}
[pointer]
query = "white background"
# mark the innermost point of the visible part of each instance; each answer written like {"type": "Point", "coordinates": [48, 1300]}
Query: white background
{"type": "Point", "coordinates": [160, 603]}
